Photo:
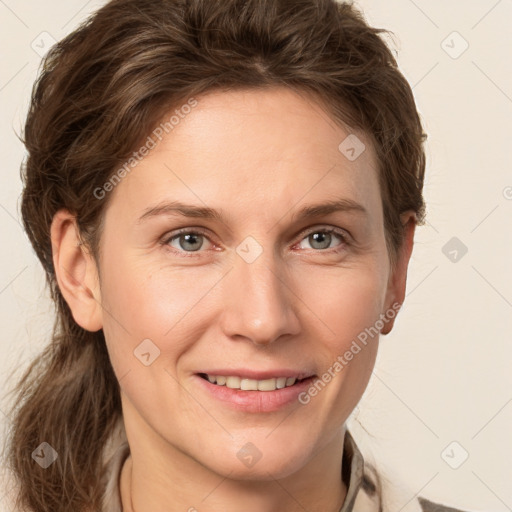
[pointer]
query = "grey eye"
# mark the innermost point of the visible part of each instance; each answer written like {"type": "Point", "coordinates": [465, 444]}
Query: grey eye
{"type": "Point", "coordinates": [188, 242]}
{"type": "Point", "coordinates": [321, 239]}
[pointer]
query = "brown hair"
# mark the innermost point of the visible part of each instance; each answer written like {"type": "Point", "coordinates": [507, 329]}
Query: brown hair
{"type": "Point", "coordinates": [101, 91]}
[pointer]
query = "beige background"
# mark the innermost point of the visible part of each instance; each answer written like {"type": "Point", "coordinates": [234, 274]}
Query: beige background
{"type": "Point", "coordinates": [444, 373]}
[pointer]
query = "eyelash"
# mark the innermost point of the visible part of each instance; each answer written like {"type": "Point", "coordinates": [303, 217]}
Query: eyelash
{"type": "Point", "coordinates": [188, 231]}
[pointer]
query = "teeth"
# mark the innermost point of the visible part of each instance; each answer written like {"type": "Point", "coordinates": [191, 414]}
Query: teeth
{"type": "Point", "coordinates": [252, 384]}
{"type": "Point", "coordinates": [290, 381]}
{"type": "Point", "coordinates": [280, 382]}
{"type": "Point", "coordinates": [249, 384]}
{"type": "Point", "coordinates": [266, 385]}
{"type": "Point", "coordinates": [233, 382]}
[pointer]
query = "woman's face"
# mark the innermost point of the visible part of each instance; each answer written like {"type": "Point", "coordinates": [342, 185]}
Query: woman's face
{"type": "Point", "coordinates": [254, 289]}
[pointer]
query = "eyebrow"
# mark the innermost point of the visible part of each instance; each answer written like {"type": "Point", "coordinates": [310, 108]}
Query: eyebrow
{"type": "Point", "coordinates": [203, 212]}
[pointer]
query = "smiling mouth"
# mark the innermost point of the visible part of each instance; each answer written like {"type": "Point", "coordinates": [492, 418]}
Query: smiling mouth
{"type": "Point", "coordinates": [243, 384]}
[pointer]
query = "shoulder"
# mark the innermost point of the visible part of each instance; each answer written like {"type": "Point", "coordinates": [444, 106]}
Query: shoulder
{"type": "Point", "coordinates": [380, 492]}
{"type": "Point", "coordinates": [430, 506]}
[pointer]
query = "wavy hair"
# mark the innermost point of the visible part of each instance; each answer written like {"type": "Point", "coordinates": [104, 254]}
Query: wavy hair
{"type": "Point", "coordinates": [100, 92]}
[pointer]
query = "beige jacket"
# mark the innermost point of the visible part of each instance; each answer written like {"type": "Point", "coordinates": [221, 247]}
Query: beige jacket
{"type": "Point", "coordinates": [362, 482]}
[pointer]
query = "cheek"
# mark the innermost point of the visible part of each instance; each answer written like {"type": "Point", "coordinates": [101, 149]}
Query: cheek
{"type": "Point", "coordinates": [172, 307]}
{"type": "Point", "coordinates": [348, 307]}
{"type": "Point", "coordinates": [147, 302]}
{"type": "Point", "coordinates": [346, 354]}
{"type": "Point", "coordinates": [345, 302]}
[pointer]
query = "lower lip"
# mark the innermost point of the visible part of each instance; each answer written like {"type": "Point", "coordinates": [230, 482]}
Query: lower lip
{"type": "Point", "coordinates": [256, 401]}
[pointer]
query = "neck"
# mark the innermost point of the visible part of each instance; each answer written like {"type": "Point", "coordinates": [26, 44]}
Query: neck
{"type": "Point", "coordinates": [125, 486]}
{"type": "Point", "coordinates": [315, 488]}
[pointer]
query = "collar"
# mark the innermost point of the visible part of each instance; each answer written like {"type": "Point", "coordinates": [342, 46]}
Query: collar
{"type": "Point", "coordinates": [360, 478]}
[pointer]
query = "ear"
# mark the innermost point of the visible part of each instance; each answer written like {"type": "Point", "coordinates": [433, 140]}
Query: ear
{"type": "Point", "coordinates": [398, 277]}
{"type": "Point", "coordinates": [76, 272]}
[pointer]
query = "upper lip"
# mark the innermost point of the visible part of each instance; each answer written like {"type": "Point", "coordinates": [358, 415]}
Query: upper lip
{"type": "Point", "coordinates": [246, 373]}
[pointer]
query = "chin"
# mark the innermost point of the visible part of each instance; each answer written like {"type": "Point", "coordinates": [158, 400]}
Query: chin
{"type": "Point", "coordinates": [253, 464]}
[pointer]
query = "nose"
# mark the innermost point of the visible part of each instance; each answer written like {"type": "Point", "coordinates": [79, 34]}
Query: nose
{"type": "Point", "coordinates": [259, 301]}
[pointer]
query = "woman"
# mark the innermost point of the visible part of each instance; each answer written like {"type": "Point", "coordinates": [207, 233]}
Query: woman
{"type": "Point", "coordinates": [224, 198]}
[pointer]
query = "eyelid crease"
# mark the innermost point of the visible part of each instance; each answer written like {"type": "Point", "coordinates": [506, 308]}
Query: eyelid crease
{"type": "Point", "coordinates": [342, 233]}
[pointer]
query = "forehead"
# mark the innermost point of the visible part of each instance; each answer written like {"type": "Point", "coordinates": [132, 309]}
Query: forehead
{"type": "Point", "coordinates": [253, 149]}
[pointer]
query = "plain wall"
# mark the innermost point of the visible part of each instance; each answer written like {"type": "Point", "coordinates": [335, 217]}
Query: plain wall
{"type": "Point", "coordinates": [444, 373]}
